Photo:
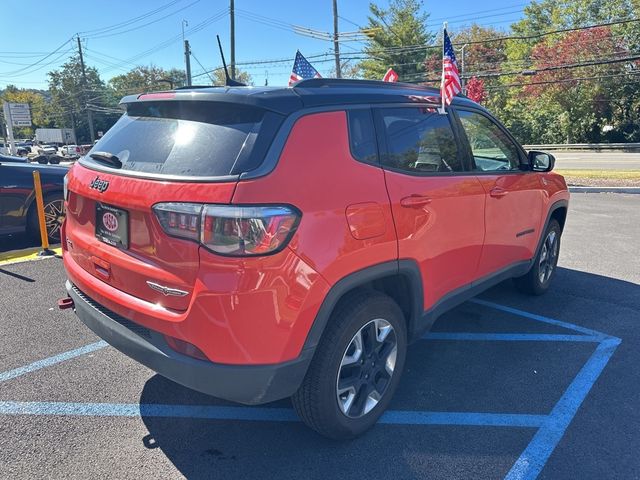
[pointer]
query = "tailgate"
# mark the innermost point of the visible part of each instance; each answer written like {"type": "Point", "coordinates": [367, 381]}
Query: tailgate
{"type": "Point", "coordinates": [148, 264]}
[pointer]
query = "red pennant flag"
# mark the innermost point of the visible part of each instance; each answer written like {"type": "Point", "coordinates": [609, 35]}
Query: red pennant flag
{"type": "Point", "coordinates": [390, 76]}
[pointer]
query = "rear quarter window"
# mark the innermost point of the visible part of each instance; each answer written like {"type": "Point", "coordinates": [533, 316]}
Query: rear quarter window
{"type": "Point", "coordinates": [189, 138]}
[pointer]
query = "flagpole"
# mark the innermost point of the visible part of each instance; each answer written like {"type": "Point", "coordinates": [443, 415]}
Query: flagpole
{"type": "Point", "coordinates": [442, 110]}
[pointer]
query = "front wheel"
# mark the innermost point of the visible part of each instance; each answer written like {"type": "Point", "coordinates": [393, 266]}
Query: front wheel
{"type": "Point", "coordinates": [538, 279]}
{"type": "Point", "coordinates": [356, 368]}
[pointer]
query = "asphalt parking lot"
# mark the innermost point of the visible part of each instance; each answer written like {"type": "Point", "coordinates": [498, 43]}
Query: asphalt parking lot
{"type": "Point", "coordinates": [506, 386]}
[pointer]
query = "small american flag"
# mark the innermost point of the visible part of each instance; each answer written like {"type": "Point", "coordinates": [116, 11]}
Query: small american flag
{"type": "Point", "coordinates": [302, 69]}
{"type": "Point", "coordinates": [450, 76]}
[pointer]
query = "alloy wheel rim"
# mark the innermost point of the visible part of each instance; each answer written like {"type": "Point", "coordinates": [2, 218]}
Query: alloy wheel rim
{"type": "Point", "coordinates": [548, 257]}
{"type": "Point", "coordinates": [366, 368]}
{"type": "Point", "coordinates": [53, 217]}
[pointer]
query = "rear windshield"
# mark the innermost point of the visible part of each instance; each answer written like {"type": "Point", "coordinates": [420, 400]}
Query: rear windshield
{"type": "Point", "coordinates": [189, 138]}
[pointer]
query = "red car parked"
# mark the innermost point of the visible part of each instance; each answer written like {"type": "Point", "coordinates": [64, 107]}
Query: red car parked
{"type": "Point", "coordinates": [262, 243]}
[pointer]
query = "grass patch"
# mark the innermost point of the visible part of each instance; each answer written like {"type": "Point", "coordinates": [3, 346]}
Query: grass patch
{"type": "Point", "coordinates": [601, 174]}
{"type": "Point", "coordinates": [601, 178]}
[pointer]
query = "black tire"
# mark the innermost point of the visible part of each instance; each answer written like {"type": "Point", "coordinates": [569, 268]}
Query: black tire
{"type": "Point", "coordinates": [55, 159]}
{"type": "Point", "coordinates": [538, 279]}
{"type": "Point", "coordinates": [318, 402]}
{"type": "Point", "coordinates": [53, 203]}
{"type": "Point", "coordinates": [41, 159]}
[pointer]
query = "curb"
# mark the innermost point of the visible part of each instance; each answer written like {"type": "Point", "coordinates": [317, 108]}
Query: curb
{"type": "Point", "coordinates": [28, 254]}
{"type": "Point", "coordinates": [630, 190]}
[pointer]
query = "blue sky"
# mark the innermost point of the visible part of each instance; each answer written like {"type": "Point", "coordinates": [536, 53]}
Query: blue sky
{"type": "Point", "coordinates": [34, 28]}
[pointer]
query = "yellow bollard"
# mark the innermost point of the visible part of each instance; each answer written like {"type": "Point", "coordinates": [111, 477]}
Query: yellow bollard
{"type": "Point", "coordinates": [40, 206]}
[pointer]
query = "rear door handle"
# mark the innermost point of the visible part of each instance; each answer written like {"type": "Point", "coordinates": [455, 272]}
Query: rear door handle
{"type": "Point", "coordinates": [498, 192]}
{"type": "Point", "coordinates": [415, 201]}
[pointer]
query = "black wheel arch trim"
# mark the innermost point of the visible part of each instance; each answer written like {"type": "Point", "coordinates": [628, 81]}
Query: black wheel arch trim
{"type": "Point", "coordinates": [405, 267]}
{"type": "Point", "coordinates": [554, 207]}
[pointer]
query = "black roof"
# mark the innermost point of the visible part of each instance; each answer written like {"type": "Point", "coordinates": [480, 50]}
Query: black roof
{"type": "Point", "coordinates": [314, 92]}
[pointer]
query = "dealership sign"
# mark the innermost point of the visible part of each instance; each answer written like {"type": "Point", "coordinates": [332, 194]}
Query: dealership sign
{"type": "Point", "coordinates": [20, 114]}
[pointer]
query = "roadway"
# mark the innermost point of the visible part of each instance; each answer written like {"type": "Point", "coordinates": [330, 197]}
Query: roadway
{"type": "Point", "coordinates": [597, 160]}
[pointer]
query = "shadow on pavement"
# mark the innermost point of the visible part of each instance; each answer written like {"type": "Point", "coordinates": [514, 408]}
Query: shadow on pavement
{"type": "Point", "coordinates": [202, 448]}
{"type": "Point", "coordinates": [17, 241]}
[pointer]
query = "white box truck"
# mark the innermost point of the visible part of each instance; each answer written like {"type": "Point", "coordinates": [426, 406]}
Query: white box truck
{"type": "Point", "coordinates": [58, 136]}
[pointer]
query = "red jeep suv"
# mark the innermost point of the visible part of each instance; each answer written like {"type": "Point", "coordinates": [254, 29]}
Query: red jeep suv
{"type": "Point", "coordinates": [262, 243]}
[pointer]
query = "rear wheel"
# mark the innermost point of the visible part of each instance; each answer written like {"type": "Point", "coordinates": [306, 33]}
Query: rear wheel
{"type": "Point", "coordinates": [356, 368]}
{"type": "Point", "coordinates": [538, 279]}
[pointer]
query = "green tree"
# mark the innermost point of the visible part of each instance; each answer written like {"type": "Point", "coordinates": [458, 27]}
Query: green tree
{"type": "Point", "coordinates": [398, 37]}
{"type": "Point", "coordinates": [71, 97]}
{"type": "Point", "coordinates": [560, 104]}
{"type": "Point", "coordinates": [40, 111]}
{"type": "Point", "coordinates": [146, 79]}
{"type": "Point", "coordinates": [219, 77]}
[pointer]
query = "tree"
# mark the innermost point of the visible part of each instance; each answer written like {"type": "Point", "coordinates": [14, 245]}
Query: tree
{"type": "Point", "coordinates": [70, 98]}
{"type": "Point", "coordinates": [398, 37]}
{"type": "Point", "coordinates": [475, 90]}
{"type": "Point", "coordinates": [482, 54]}
{"type": "Point", "coordinates": [348, 69]}
{"type": "Point", "coordinates": [39, 108]}
{"type": "Point", "coordinates": [146, 79]}
{"type": "Point", "coordinates": [219, 77]}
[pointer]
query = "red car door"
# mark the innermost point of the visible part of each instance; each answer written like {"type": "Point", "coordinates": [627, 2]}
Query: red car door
{"type": "Point", "coordinates": [514, 194]}
{"type": "Point", "coordinates": [438, 206]}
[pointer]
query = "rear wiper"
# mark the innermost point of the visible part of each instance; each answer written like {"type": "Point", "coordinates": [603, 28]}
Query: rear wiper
{"type": "Point", "coordinates": [108, 158]}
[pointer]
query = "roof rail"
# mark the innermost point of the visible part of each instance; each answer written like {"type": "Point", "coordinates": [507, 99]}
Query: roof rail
{"type": "Point", "coordinates": [349, 82]}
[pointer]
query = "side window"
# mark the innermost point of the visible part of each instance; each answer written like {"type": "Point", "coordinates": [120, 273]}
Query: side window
{"type": "Point", "coordinates": [419, 140]}
{"type": "Point", "coordinates": [492, 149]}
{"type": "Point", "coordinates": [362, 135]}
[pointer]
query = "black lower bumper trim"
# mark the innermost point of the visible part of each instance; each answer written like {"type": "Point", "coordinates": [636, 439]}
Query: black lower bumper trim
{"type": "Point", "coordinates": [247, 384]}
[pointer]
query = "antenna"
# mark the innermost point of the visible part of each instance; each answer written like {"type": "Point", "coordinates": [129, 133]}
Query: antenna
{"type": "Point", "coordinates": [229, 82]}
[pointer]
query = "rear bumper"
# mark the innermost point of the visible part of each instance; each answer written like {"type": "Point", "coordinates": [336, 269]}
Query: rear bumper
{"type": "Point", "coordinates": [247, 384]}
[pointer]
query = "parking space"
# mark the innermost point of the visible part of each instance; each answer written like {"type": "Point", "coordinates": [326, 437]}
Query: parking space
{"type": "Point", "coordinates": [504, 386]}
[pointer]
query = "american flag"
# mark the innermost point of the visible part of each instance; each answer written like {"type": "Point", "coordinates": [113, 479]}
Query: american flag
{"type": "Point", "coordinates": [302, 69]}
{"type": "Point", "coordinates": [450, 76]}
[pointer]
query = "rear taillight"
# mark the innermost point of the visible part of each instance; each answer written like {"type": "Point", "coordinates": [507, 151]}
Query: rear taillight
{"type": "Point", "coordinates": [232, 230]}
{"type": "Point", "coordinates": [65, 187]}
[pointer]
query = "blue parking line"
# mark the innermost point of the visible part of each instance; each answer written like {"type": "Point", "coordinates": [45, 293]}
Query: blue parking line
{"type": "Point", "coordinates": [47, 362]}
{"type": "Point", "coordinates": [511, 337]}
{"type": "Point", "coordinates": [217, 412]}
{"type": "Point", "coordinates": [539, 318]}
{"type": "Point", "coordinates": [533, 459]}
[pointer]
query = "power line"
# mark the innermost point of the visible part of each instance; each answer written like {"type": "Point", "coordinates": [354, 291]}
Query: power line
{"type": "Point", "coordinates": [18, 72]}
{"type": "Point", "coordinates": [130, 21]}
{"type": "Point", "coordinates": [205, 70]}
{"type": "Point", "coordinates": [562, 80]}
{"type": "Point", "coordinates": [137, 27]}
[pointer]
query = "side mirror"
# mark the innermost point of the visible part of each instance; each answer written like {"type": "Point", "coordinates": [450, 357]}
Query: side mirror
{"type": "Point", "coordinates": [541, 161]}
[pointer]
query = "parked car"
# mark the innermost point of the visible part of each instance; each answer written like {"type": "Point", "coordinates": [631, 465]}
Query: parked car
{"type": "Point", "coordinates": [17, 198]}
{"type": "Point", "coordinates": [72, 151]}
{"type": "Point", "coordinates": [23, 149]}
{"type": "Point", "coordinates": [261, 243]}
{"type": "Point", "coordinates": [48, 150]}
{"type": "Point", "coordinates": [12, 159]}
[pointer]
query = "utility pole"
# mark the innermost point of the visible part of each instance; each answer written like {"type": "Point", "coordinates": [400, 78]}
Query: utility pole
{"type": "Point", "coordinates": [463, 82]}
{"type": "Point", "coordinates": [187, 61]}
{"type": "Point", "coordinates": [232, 30]}
{"type": "Point", "coordinates": [187, 55]}
{"type": "Point", "coordinates": [86, 104]}
{"type": "Point", "coordinates": [336, 43]}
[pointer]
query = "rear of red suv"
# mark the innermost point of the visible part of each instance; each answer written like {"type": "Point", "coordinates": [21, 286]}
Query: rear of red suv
{"type": "Point", "coordinates": [166, 268]}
